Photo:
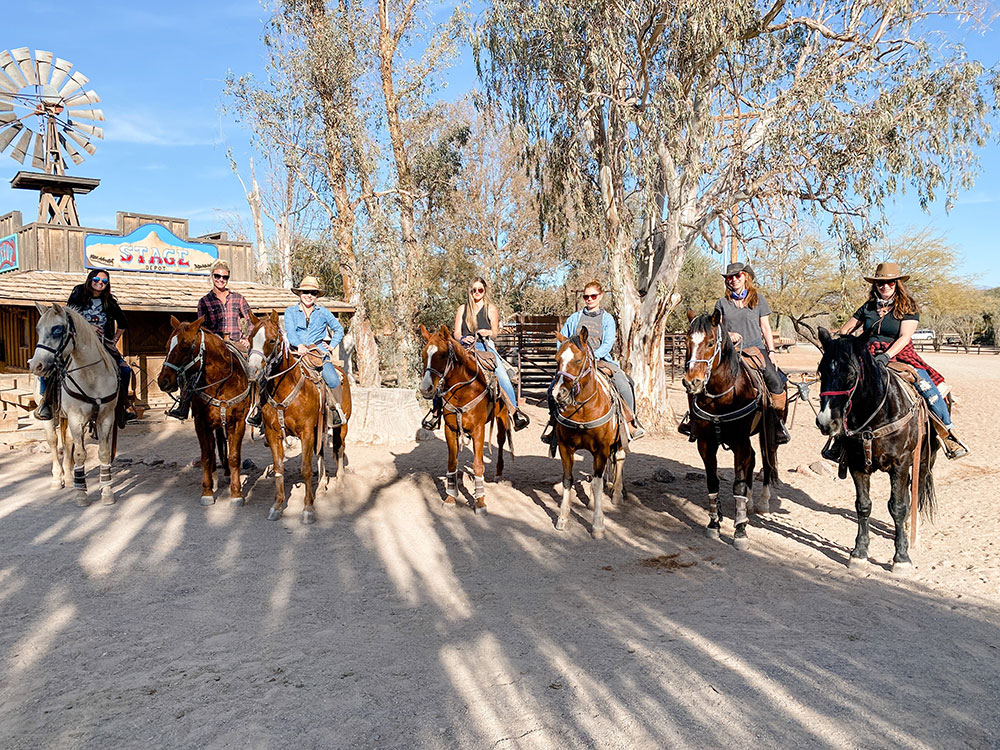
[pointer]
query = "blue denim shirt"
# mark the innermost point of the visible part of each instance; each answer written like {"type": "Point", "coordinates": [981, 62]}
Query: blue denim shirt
{"type": "Point", "coordinates": [608, 332]}
{"type": "Point", "coordinates": [320, 320]}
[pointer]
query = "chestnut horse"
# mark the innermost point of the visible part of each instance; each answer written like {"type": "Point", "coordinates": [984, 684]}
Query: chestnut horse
{"type": "Point", "coordinates": [454, 374]}
{"type": "Point", "coordinates": [200, 363]}
{"type": "Point", "coordinates": [293, 405]}
{"type": "Point", "coordinates": [726, 403]}
{"type": "Point", "coordinates": [586, 419]}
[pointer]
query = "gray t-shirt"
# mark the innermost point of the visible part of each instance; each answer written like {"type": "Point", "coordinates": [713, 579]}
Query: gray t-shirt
{"type": "Point", "coordinates": [744, 321]}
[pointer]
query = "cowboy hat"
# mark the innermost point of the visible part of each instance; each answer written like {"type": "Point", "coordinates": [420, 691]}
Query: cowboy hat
{"type": "Point", "coordinates": [887, 272]}
{"type": "Point", "coordinates": [308, 284]}
{"type": "Point", "coordinates": [734, 268]}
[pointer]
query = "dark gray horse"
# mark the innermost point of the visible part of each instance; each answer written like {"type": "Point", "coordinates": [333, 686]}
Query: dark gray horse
{"type": "Point", "coordinates": [878, 420]}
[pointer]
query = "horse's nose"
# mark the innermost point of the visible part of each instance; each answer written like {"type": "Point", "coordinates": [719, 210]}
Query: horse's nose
{"type": "Point", "coordinates": [692, 385]}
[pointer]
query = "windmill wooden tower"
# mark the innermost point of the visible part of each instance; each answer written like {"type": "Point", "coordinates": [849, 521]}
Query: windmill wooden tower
{"type": "Point", "coordinates": [42, 108]}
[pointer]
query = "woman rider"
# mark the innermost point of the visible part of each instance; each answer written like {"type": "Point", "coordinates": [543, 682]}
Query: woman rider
{"type": "Point", "coordinates": [478, 320]}
{"type": "Point", "coordinates": [887, 322]}
{"type": "Point", "coordinates": [95, 302]}
{"type": "Point", "coordinates": [601, 331]}
{"type": "Point", "coordinates": [746, 313]}
{"type": "Point", "coordinates": [306, 326]}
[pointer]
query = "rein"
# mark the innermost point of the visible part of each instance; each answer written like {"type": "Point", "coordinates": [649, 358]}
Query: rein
{"type": "Point", "coordinates": [589, 368]}
{"type": "Point", "coordinates": [188, 382]}
{"type": "Point", "coordinates": [276, 359]}
{"type": "Point", "coordinates": [447, 395]}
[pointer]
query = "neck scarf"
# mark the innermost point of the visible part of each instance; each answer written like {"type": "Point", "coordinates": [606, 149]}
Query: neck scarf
{"type": "Point", "coordinates": [738, 295]}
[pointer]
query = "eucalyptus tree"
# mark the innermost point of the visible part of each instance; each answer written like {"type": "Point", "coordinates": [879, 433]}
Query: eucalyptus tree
{"type": "Point", "coordinates": [679, 123]}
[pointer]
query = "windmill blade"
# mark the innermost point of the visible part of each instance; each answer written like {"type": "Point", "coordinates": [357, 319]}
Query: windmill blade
{"type": "Point", "coordinates": [87, 114]}
{"type": "Point", "coordinates": [27, 65]}
{"type": "Point", "coordinates": [21, 147]}
{"type": "Point", "coordinates": [75, 82]}
{"type": "Point", "coordinates": [44, 65]}
{"type": "Point", "coordinates": [6, 87]}
{"type": "Point", "coordinates": [95, 132]}
{"type": "Point", "coordinates": [6, 104]}
{"type": "Point", "coordinates": [75, 155]}
{"type": "Point", "coordinates": [38, 157]}
{"type": "Point", "coordinates": [90, 97]}
{"type": "Point", "coordinates": [8, 135]}
{"type": "Point", "coordinates": [6, 117]}
{"type": "Point", "coordinates": [9, 67]}
{"type": "Point", "coordinates": [60, 69]}
{"type": "Point", "coordinates": [85, 144]}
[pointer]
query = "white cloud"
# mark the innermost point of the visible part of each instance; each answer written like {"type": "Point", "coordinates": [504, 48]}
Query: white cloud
{"type": "Point", "coordinates": [156, 130]}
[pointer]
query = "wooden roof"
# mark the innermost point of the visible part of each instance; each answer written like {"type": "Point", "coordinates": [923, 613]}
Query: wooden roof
{"type": "Point", "coordinates": [146, 291]}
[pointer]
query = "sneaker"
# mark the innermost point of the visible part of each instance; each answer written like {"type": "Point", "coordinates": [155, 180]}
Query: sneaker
{"type": "Point", "coordinates": [520, 420]}
{"type": "Point", "coordinates": [783, 436]}
{"type": "Point", "coordinates": [832, 451]}
{"type": "Point", "coordinates": [431, 421]}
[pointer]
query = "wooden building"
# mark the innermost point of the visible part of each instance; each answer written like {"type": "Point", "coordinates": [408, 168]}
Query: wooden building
{"type": "Point", "coordinates": [156, 271]}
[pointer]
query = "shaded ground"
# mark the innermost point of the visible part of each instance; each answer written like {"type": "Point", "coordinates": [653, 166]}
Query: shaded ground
{"type": "Point", "coordinates": [398, 622]}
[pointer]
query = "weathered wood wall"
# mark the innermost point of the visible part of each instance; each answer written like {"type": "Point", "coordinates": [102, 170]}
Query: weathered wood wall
{"type": "Point", "coordinates": [17, 336]}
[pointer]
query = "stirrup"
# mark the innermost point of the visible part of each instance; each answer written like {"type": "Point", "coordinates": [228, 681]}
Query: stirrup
{"type": "Point", "coordinates": [782, 436]}
{"type": "Point", "coordinates": [684, 428]}
{"type": "Point", "coordinates": [832, 451]}
{"type": "Point", "coordinates": [953, 447]}
{"type": "Point", "coordinates": [549, 435]}
{"type": "Point", "coordinates": [43, 412]}
{"type": "Point", "coordinates": [520, 420]}
{"type": "Point", "coordinates": [431, 420]}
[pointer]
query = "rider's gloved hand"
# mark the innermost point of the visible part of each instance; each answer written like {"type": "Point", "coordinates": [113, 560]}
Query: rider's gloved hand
{"type": "Point", "coordinates": [882, 359]}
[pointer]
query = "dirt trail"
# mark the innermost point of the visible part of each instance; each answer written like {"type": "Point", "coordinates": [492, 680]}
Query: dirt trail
{"type": "Point", "coordinates": [397, 622]}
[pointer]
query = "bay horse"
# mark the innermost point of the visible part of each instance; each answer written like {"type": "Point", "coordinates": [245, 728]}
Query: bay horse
{"type": "Point", "coordinates": [455, 375]}
{"type": "Point", "coordinates": [586, 419]}
{"type": "Point", "coordinates": [727, 406]}
{"type": "Point", "coordinates": [881, 423]}
{"type": "Point", "coordinates": [200, 363]}
{"type": "Point", "coordinates": [71, 353]}
{"type": "Point", "coordinates": [294, 404]}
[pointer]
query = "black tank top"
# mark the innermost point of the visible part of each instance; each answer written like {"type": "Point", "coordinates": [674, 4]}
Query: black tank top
{"type": "Point", "coordinates": [482, 321]}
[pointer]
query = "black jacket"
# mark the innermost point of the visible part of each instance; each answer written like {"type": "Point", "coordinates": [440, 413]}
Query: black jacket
{"type": "Point", "coordinates": [80, 298]}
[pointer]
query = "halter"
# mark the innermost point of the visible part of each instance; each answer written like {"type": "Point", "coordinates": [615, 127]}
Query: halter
{"type": "Point", "coordinates": [68, 335]}
{"type": "Point", "coordinates": [709, 363]}
{"type": "Point", "coordinates": [197, 362]}
{"type": "Point", "coordinates": [574, 380]}
{"type": "Point", "coordinates": [587, 369]}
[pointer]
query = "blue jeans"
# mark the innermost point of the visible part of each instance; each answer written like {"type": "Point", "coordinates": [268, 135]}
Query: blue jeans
{"type": "Point", "coordinates": [503, 379]}
{"type": "Point", "coordinates": [933, 396]}
{"type": "Point", "coordinates": [330, 375]}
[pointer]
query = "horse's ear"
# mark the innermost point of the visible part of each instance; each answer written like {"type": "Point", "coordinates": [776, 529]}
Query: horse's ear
{"type": "Point", "coordinates": [254, 320]}
{"type": "Point", "coordinates": [716, 317]}
{"type": "Point", "coordinates": [560, 338]}
{"type": "Point", "coordinates": [445, 331]}
{"type": "Point", "coordinates": [42, 309]}
{"type": "Point", "coordinates": [196, 326]}
{"type": "Point", "coordinates": [56, 308]}
{"type": "Point", "coordinates": [424, 332]}
{"type": "Point", "coordinates": [174, 323]}
{"type": "Point", "coordinates": [690, 314]}
{"type": "Point", "coordinates": [824, 337]}
{"type": "Point", "coordinates": [584, 335]}
{"type": "Point", "coordinates": [274, 316]}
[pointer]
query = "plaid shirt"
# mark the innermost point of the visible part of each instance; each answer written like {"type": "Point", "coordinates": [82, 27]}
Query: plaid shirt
{"type": "Point", "coordinates": [223, 318]}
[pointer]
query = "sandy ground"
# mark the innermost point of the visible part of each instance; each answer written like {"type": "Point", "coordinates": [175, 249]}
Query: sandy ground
{"type": "Point", "coordinates": [398, 622]}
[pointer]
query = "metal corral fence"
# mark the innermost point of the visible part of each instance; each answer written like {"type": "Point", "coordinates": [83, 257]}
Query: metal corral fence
{"type": "Point", "coordinates": [926, 346]}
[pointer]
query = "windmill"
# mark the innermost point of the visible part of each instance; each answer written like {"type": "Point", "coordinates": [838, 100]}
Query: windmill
{"type": "Point", "coordinates": [44, 108]}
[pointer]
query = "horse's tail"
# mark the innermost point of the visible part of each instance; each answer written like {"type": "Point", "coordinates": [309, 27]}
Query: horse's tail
{"type": "Point", "coordinates": [926, 497]}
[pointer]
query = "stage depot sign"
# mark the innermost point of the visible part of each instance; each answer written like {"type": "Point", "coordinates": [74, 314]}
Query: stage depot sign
{"type": "Point", "coordinates": [8, 253]}
{"type": "Point", "coordinates": [152, 248]}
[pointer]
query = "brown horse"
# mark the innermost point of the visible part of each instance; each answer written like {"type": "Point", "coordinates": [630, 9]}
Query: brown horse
{"type": "Point", "coordinates": [727, 407]}
{"type": "Point", "coordinates": [586, 419]}
{"type": "Point", "coordinates": [294, 405]}
{"type": "Point", "coordinates": [454, 375]}
{"type": "Point", "coordinates": [201, 364]}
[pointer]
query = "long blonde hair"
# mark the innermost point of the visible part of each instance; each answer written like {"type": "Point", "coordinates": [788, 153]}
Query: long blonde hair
{"type": "Point", "coordinates": [470, 316]}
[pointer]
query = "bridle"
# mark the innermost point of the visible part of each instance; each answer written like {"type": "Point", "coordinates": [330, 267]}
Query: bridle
{"type": "Point", "coordinates": [711, 362]}
{"type": "Point", "coordinates": [188, 375]}
{"type": "Point", "coordinates": [184, 380]}
{"type": "Point", "coordinates": [589, 368]}
{"type": "Point", "coordinates": [574, 380]}
{"type": "Point", "coordinates": [849, 392]}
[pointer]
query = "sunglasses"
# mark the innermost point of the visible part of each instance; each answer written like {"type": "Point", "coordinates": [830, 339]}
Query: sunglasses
{"type": "Point", "coordinates": [591, 296]}
{"type": "Point", "coordinates": [98, 280]}
{"type": "Point", "coordinates": [219, 276]}
{"type": "Point", "coordinates": [734, 276]}
{"type": "Point", "coordinates": [305, 292]}
{"type": "Point", "coordinates": [886, 283]}
{"type": "Point", "coordinates": [477, 290]}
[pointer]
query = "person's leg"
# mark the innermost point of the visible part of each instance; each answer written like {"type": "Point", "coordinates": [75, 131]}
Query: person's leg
{"type": "Point", "coordinates": [953, 445]}
{"type": "Point", "coordinates": [775, 383]}
{"type": "Point", "coordinates": [625, 387]}
{"type": "Point", "coordinates": [519, 418]}
{"type": "Point", "coordinates": [549, 432]}
{"type": "Point", "coordinates": [332, 378]}
{"type": "Point", "coordinates": [43, 412]}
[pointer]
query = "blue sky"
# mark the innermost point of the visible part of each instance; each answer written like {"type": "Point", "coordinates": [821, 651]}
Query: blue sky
{"type": "Point", "coordinates": [160, 75]}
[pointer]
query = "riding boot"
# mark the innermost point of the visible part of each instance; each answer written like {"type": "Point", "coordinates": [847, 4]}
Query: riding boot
{"type": "Point", "coordinates": [432, 419]}
{"type": "Point", "coordinates": [684, 428]}
{"type": "Point", "coordinates": [123, 411]}
{"type": "Point", "coordinates": [180, 410]}
{"type": "Point", "coordinates": [953, 446]}
{"type": "Point", "coordinates": [254, 418]}
{"type": "Point", "coordinates": [637, 430]}
{"type": "Point", "coordinates": [520, 420]}
{"type": "Point", "coordinates": [833, 450]}
{"type": "Point", "coordinates": [549, 437]}
{"type": "Point", "coordinates": [335, 417]}
{"type": "Point", "coordinates": [781, 435]}
{"type": "Point", "coordinates": [43, 412]}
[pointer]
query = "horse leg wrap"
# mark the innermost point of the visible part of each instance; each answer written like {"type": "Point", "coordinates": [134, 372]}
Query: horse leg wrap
{"type": "Point", "coordinates": [480, 490]}
{"type": "Point", "coordinates": [79, 478]}
{"type": "Point", "coordinates": [105, 475]}
{"type": "Point", "coordinates": [713, 507]}
{"type": "Point", "coordinates": [741, 509]}
{"type": "Point", "coordinates": [451, 483]}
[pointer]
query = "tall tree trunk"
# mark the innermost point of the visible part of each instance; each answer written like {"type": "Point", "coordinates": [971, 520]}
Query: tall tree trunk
{"type": "Point", "coordinates": [263, 266]}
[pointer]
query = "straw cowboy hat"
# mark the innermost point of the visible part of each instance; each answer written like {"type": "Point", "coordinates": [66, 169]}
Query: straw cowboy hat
{"type": "Point", "coordinates": [887, 272]}
{"type": "Point", "coordinates": [734, 268]}
{"type": "Point", "coordinates": [308, 284]}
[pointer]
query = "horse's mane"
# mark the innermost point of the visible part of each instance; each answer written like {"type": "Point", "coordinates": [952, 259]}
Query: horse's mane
{"type": "Point", "coordinates": [729, 357]}
{"type": "Point", "coordinates": [86, 336]}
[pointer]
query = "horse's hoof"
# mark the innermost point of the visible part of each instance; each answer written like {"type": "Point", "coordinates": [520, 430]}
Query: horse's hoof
{"type": "Point", "coordinates": [449, 500]}
{"type": "Point", "coordinates": [308, 517]}
{"type": "Point", "coordinates": [858, 565]}
{"type": "Point", "coordinates": [273, 514]}
{"type": "Point", "coordinates": [80, 497]}
{"type": "Point", "coordinates": [561, 524]}
{"type": "Point", "coordinates": [712, 533]}
{"type": "Point", "coordinates": [207, 500]}
{"type": "Point", "coordinates": [597, 533]}
{"type": "Point", "coordinates": [741, 543]}
{"type": "Point", "coordinates": [56, 484]}
{"type": "Point", "coordinates": [762, 506]}
{"type": "Point", "coordinates": [902, 568]}
{"type": "Point", "coordinates": [237, 501]}
{"type": "Point", "coordinates": [108, 499]}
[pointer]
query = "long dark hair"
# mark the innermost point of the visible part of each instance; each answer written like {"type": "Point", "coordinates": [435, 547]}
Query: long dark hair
{"type": "Point", "coordinates": [904, 304]}
{"type": "Point", "coordinates": [81, 295]}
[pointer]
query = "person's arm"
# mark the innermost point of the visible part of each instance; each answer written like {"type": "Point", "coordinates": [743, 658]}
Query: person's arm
{"type": "Point", "coordinates": [202, 309]}
{"type": "Point", "coordinates": [121, 322]}
{"type": "Point", "coordinates": [733, 336]}
{"type": "Point", "coordinates": [336, 330]}
{"type": "Point", "coordinates": [850, 327]}
{"type": "Point", "coordinates": [569, 327]}
{"type": "Point", "coordinates": [765, 332]}
{"type": "Point", "coordinates": [244, 315]}
{"type": "Point", "coordinates": [456, 331]}
{"type": "Point", "coordinates": [608, 333]}
{"type": "Point", "coordinates": [292, 328]}
{"type": "Point", "coordinates": [906, 329]}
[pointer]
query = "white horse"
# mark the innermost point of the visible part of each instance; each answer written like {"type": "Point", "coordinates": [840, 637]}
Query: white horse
{"type": "Point", "coordinates": [70, 350]}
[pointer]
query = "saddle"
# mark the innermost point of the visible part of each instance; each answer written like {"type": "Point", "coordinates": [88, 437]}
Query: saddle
{"type": "Point", "coordinates": [904, 371]}
{"type": "Point", "coordinates": [753, 360]}
{"type": "Point", "coordinates": [622, 411]}
{"type": "Point", "coordinates": [241, 355]}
